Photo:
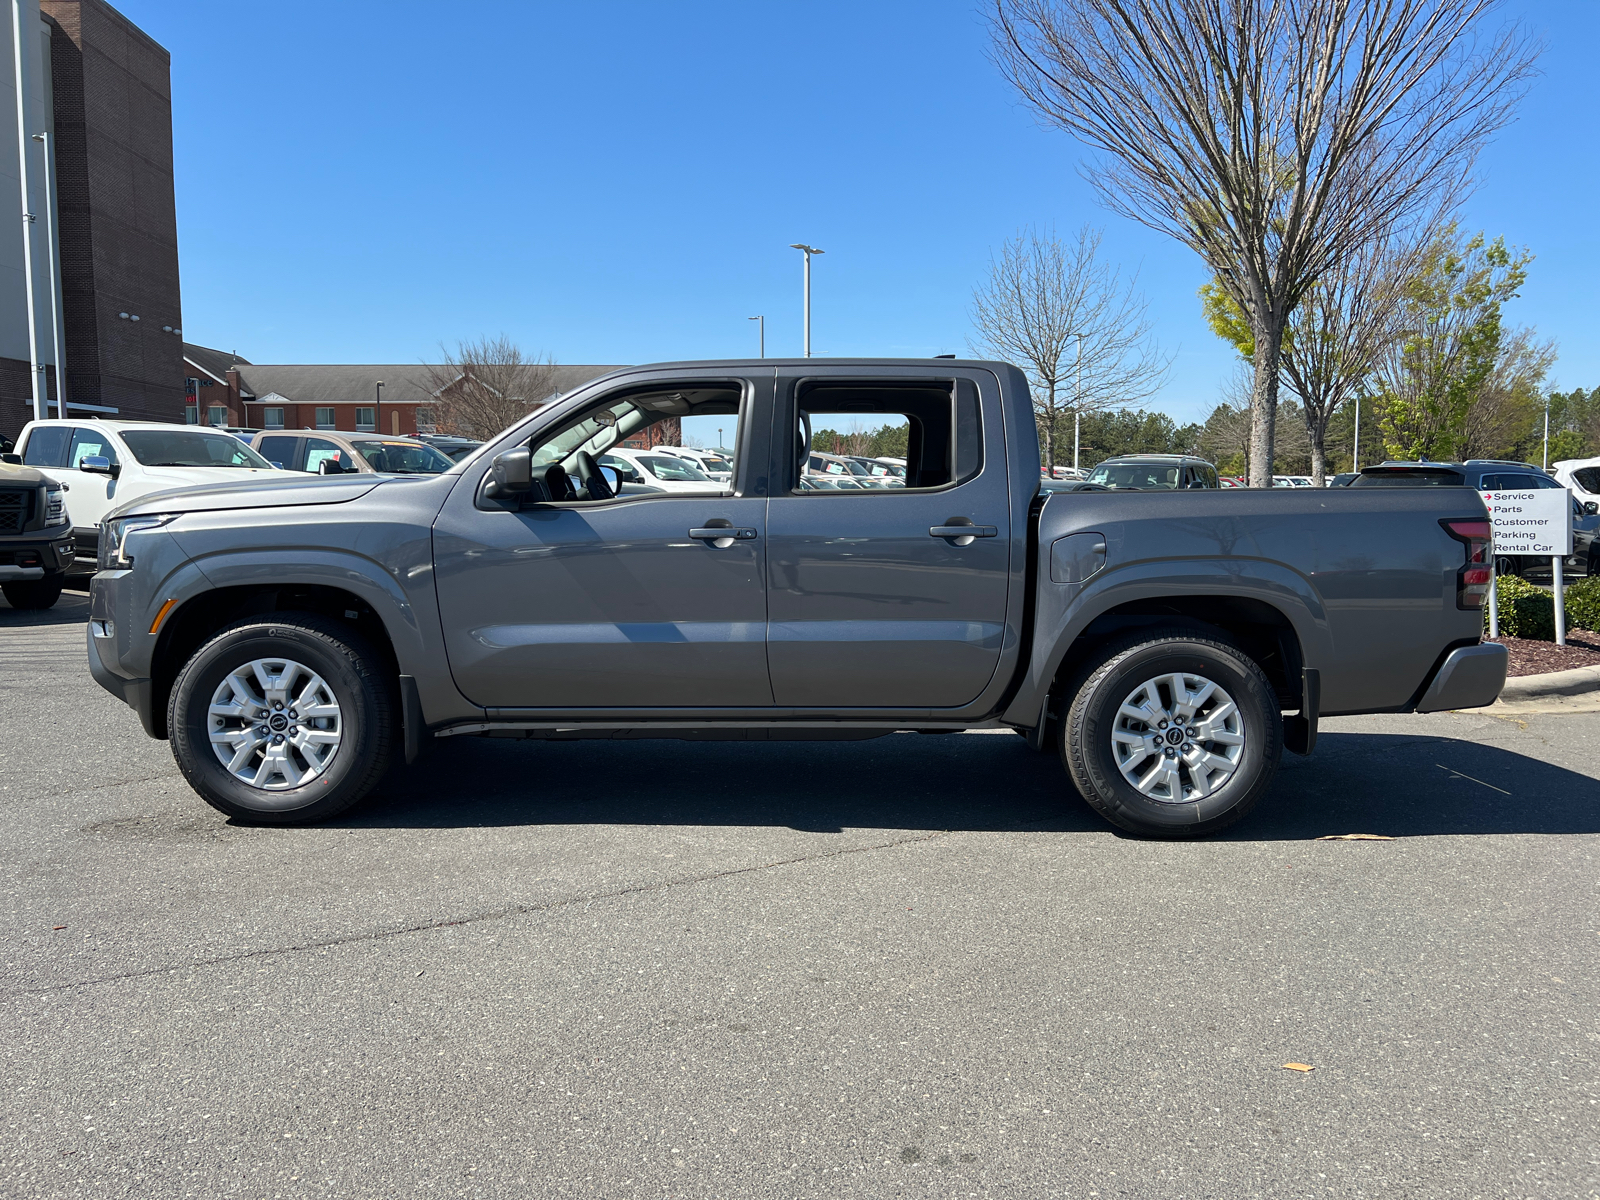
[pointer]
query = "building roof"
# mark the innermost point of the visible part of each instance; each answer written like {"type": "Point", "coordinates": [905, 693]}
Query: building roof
{"type": "Point", "coordinates": [342, 383]}
{"type": "Point", "coordinates": [214, 363]}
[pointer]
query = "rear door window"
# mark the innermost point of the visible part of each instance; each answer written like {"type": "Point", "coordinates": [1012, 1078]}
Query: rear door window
{"type": "Point", "coordinates": [1588, 479]}
{"type": "Point", "coordinates": [47, 446]}
{"type": "Point", "coordinates": [1519, 482]}
{"type": "Point", "coordinates": [280, 450]}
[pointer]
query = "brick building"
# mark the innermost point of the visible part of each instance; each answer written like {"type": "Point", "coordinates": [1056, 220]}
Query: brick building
{"type": "Point", "coordinates": [105, 243]}
{"type": "Point", "coordinates": [225, 389]}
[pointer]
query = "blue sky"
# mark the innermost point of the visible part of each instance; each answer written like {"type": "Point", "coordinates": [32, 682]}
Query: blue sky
{"type": "Point", "coordinates": [619, 182]}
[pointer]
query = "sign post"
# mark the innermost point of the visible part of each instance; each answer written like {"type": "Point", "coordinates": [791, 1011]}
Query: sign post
{"type": "Point", "coordinates": [1532, 525]}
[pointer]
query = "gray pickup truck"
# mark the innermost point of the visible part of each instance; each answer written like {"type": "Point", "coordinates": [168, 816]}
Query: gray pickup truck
{"type": "Point", "coordinates": [297, 639]}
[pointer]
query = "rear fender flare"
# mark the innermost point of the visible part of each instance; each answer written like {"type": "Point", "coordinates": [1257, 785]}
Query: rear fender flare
{"type": "Point", "coordinates": [1065, 610]}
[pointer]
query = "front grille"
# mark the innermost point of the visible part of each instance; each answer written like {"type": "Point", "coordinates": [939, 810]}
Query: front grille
{"type": "Point", "coordinates": [14, 505]}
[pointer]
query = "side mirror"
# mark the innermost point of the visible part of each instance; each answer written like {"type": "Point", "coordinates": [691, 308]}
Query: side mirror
{"type": "Point", "coordinates": [613, 480]}
{"type": "Point", "coordinates": [97, 464]}
{"type": "Point", "coordinates": [14, 459]}
{"type": "Point", "coordinates": [511, 474]}
{"type": "Point", "coordinates": [329, 466]}
{"type": "Point", "coordinates": [1196, 483]}
{"type": "Point", "coordinates": [1590, 508]}
{"type": "Point", "coordinates": [278, 465]}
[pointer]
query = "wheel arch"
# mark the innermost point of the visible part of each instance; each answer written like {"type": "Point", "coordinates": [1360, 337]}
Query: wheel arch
{"type": "Point", "coordinates": [190, 624]}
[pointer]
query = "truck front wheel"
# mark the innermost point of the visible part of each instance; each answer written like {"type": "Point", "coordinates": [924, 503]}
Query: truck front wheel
{"type": "Point", "coordinates": [1176, 734]}
{"type": "Point", "coordinates": [34, 593]}
{"type": "Point", "coordinates": [282, 722]}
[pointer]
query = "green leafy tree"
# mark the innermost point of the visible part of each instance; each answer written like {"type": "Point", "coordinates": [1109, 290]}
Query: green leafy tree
{"type": "Point", "coordinates": [1449, 344]}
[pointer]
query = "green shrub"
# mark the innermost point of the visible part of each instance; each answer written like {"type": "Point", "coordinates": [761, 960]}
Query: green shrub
{"type": "Point", "coordinates": [1583, 604]}
{"type": "Point", "coordinates": [1528, 611]}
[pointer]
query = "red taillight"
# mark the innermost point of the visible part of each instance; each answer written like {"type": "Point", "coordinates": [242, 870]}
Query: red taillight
{"type": "Point", "coordinates": [1472, 580]}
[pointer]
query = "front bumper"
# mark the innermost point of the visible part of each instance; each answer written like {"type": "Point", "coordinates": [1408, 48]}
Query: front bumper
{"type": "Point", "coordinates": [35, 558]}
{"type": "Point", "coordinates": [1469, 677]}
{"type": "Point", "coordinates": [137, 694]}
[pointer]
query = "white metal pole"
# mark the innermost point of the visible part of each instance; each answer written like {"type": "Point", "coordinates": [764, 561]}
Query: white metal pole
{"type": "Point", "coordinates": [1355, 449]}
{"type": "Point", "coordinates": [762, 327]}
{"type": "Point", "coordinates": [808, 302]}
{"type": "Point", "coordinates": [1547, 433]}
{"type": "Point", "coordinates": [1077, 405]}
{"type": "Point", "coordinates": [39, 411]}
{"type": "Point", "coordinates": [1559, 590]}
{"type": "Point", "coordinates": [53, 269]}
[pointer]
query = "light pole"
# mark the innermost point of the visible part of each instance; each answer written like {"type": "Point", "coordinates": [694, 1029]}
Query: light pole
{"type": "Point", "coordinates": [377, 413]}
{"type": "Point", "coordinates": [40, 409]}
{"type": "Point", "coordinates": [1547, 431]}
{"type": "Point", "coordinates": [53, 270]}
{"type": "Point", "coordinates": [763, 328]}
{"type": "Point", "coordinates": [808, 251]}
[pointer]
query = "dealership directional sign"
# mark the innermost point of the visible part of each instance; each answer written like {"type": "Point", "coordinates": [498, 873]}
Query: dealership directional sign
{"type": "Point", "coordinates": [1536, 523]}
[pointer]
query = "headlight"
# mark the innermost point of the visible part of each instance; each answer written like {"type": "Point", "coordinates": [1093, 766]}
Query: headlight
{"type": "Point", "coordinates": [55, 507]}
{"type": "Point", "coordinates": [114, 554]}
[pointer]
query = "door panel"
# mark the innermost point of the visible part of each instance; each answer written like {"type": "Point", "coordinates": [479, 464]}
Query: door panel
{"type": "Point", "coordinates": [867, 608]}
{"type": "Point", "coordinates": [605, 606]}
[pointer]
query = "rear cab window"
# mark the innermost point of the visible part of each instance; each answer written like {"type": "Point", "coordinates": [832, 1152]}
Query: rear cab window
{"type": "Point", "coordinates": [1409, 477]}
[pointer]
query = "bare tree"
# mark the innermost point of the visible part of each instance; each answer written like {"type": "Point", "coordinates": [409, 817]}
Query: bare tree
{"type": "Point", "coordinates": [1274, 137]}
{"type": "Point", "coordinates": [1344, 323]}
{"type": "Point", "coordinates": [486, 386]}
{"type": "Point", "coordinates": [1041, 296]}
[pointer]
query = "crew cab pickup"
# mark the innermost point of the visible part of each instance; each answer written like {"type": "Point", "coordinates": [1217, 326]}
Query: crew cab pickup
{"type": "Point", "coordinates": [297, 639]}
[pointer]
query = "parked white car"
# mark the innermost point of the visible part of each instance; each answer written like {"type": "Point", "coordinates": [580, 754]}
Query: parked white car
{"type": "Point", "coordinates": [714, 466]}
{"type": "Point", "coordinates": [1582, 475]}
{"type": "Point", "coordinates": [664, 471]}
{"type": "Point", "coordinates": [107, 463]}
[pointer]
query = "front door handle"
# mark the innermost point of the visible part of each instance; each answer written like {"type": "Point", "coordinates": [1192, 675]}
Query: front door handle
{"type": "Point", "coordinates": [723, 533]}
{"type": "Point", "coordinates": [963, 531]}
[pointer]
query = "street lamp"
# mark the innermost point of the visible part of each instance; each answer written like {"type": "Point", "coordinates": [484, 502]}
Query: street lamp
{"type": "Point", "coordinates": [763, 328]}
{"type": "Point", "coordinates": [808, 251]}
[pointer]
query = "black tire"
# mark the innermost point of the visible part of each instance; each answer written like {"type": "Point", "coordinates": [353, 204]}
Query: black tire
{"type": "Point", "coordinates": [33, 593]}
{"type": "Point", "coordinates": [1091, 718]}
{"type": "Point", "coordinates": [354, 673]}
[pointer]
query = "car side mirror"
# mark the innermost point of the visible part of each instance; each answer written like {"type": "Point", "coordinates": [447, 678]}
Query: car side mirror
{"type": "Point", "coordinates": [97, 464]}
{"type": "Point", "coordinates": [276, 465]}
{"type": "Point", "coordinates": [1590, 508]}
{"type": "Point", "coordinates": [1196, 483]}
{"type": "Point", "coordinates": [14, 459]}
{"type": "Point", "coordinates": [511, 474]}
{"type": "Point", "coordinates": [329, 466]}
{"type": "Point", "coordinates": [613, 480]}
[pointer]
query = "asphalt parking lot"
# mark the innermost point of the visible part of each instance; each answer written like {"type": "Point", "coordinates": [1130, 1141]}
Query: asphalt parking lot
{"type": "Point", "coordinates": [909, 967]}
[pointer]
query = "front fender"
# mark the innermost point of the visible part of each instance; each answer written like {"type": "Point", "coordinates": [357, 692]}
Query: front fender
{"type": "Point", "coordinates": [401, 595]}
{"type": "Point", "coordinates": [1064, 611]}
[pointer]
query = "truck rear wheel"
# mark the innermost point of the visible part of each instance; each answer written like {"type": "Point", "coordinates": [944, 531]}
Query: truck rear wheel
{"type": "Point", "coordinates": [282, 722]}
{"type": "Point", "coordinates": [1176, 734]}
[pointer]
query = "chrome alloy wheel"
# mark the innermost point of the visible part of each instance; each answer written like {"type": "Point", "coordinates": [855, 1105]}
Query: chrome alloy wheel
{"type": "Point", "coordinates": [1178, 738]}
{"type": "Point", "coordinates": [274, 724]}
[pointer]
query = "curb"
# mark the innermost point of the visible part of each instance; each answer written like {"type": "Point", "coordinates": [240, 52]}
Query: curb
{"type": "Point", "coordinates": [1577, 690]}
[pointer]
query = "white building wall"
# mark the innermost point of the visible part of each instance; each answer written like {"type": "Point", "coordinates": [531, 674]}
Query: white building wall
{"type": "Point", "coordinates": [37, 109]}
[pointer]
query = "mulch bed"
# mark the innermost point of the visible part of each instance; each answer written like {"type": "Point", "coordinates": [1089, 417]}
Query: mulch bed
{"type": "Point", "coordinates": [1530, 657]}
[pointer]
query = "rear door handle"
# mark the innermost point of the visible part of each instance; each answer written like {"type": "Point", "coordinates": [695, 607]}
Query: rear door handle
{"type": "Point", "coordinates": [720, 533]}
{"type": "Point", "coordinates": [961, 531]}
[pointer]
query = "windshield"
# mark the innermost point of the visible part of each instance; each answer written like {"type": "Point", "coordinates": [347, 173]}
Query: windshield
{"type": "Point", "coordinates": [183, 448]}
{"type": "Point", "coordinates": [403, 458]}
{"type": "Point", "coordinates": [711, 463]}
{"type": "Point", "coordinates": [675, 470]}
{"type": "Point", "coordinates": [1408, 479]}
{"type": "Point", "coordinates": [1136, 475]}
